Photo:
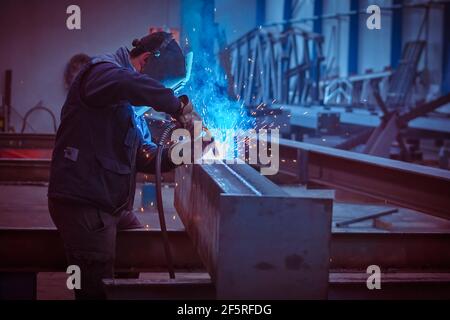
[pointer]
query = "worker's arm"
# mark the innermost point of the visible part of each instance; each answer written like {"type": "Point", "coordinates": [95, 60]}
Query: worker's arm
{"type": "Point", "coordinates": [107, 84]}
{"type": "Point", "coordinates": [146, 154]}
{"type": "Point", "coordinates": [146, 159]}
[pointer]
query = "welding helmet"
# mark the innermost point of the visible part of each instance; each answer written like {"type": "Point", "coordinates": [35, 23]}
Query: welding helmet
{"type": "Point", "coordinates": [167, 62]}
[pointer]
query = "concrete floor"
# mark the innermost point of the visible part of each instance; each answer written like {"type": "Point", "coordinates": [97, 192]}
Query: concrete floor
{"type": "Point", "coordinates": [25, 206]}
{"type": "Point", "coordinates": [350, 206]}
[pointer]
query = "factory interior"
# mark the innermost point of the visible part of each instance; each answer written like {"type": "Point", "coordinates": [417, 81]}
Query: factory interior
{"type": "Point", "coordinates": [344, 103]}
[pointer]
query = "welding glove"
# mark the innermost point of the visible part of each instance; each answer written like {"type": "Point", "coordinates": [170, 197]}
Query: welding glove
{"type": "Point", "coordinates": [186, 115]}
{"type": "Point", "coordinates": [146, 159]}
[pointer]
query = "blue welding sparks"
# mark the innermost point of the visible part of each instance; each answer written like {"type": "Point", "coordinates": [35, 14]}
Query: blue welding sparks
{"type": "Point", "coordinates": [221, 114]}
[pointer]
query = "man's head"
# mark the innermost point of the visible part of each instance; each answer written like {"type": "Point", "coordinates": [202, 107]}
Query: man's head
{"type": "Point", "coordinates": [159, 56]}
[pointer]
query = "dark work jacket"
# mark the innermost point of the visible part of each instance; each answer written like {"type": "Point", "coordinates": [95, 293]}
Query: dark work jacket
{"type": "Point", "coordinates": [101, 143]}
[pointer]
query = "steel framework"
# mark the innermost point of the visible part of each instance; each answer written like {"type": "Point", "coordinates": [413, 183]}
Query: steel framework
{"type": "Point", "coordinates": [267, 65]}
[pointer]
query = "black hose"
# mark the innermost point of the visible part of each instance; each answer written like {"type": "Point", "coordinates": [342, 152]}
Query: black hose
{"type": "Point", "coordinates": [159, 201]}
{"type": "Point", "coordinates": [162, 220]}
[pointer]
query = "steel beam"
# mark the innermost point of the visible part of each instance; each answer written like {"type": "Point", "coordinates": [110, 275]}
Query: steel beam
{"type": "Point", "coordinates": [41, 250]}
{"type": "Point", "coordinates": [7, 100]}
{"type": "Point", "coordinates": [187, 286]}
{"type": "Point", "coordinates": [353, 44]}
{"type": "Point", "coordinates": [394, 286]}
{"type": "Point", "coordinates": [343, 285]}
{"type": "Point", "coordinates": [306, 117]}
{"type": "Point", "coordinates": [421, 188]}
{"type": "Point", "coordinates": [27, 140]}
{"type": "Point", "coordinates": [396, 34]}
{"type": "Point", "coordinates": [24, 170]}
{"type": "Point", "coordinates": [445, 83]}
{"type": "Point", "coordinates": [390, 250]}
{"type": "Point", "coordinates": [38, 171]}
{"type": "Point", "coordinates": [260, 12]}
{"type": "Point", "coordinates": [423, 109]}
{"type": "Point", "coordinates": [255, 240]}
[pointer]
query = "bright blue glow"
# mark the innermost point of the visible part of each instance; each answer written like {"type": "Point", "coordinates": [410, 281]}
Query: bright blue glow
{"type": "Point", "coordinates": [207, 90]}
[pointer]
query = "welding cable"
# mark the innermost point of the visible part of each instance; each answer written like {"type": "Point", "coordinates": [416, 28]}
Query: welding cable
{"type": "Point", "coordinates": [159, 201]}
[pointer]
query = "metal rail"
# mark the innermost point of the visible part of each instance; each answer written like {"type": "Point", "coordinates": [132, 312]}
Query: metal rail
{"type": "Point", "coordinates": [27, 140]}
{"type": "Point", "coordinates": [421, 188]}
{"type": "Point", "coordinates": [41, 250]}
{"type": "Point", "coordinates": [24, 170]}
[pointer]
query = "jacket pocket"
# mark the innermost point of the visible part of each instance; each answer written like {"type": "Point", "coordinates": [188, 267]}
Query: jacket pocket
{"type": "Point", "coordinates": [113, 165]}
{"type": "Point", "coordinates": [113, 183]}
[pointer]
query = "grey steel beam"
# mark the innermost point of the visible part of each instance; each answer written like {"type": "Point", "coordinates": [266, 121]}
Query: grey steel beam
{"type": "Point", "coordinates": [306, 117]}
{"type": "Point", "coordinates": [24, 170]}
{"type": "Point", "coordinates": [38, 171]}
{"type": "Point", "coordinates": [356, 140]}
{"type": "Point", "coordinates": [186, 286]}
{"type": "Point", "coordinates": [396, 250]}
{"type": "Point", "coordinates": [41, 250]}
{"type": "Point", "coordinates": [255, 241]}
{"type": "Point", "coordinates": [423, 109]}
{"type": "Point", "coordinates": [347, 285]}
{"type": "Point", "coordinates": [421, 188]}
{"type": "Point", "coordinates": [394, 286]}
{"type": "Point", "coordinates": [27, 140]}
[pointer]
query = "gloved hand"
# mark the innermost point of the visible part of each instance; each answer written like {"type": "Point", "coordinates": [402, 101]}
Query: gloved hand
{"type": "Point", "coordinates": [146, 158]}
{"type": "Point", "coordinates": [186, 116]}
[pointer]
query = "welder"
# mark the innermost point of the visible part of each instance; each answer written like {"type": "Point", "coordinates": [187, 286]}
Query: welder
{"type": "Point", "coordinates": [102, 143]}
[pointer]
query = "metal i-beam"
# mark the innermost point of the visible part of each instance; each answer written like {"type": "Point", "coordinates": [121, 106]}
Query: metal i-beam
{"type": "Point", "coordinates": [24, 170]}
{"type": "Point", "coordinates": [27, 140]}
{"type": "Point", "coordinates": [38, 171]}
{"type": "Point", "coordinates": [41, 250]}
{"type": "Point", "coordinates": [255, 240]}
{"type": "Point", "coordinates": [408, 185]}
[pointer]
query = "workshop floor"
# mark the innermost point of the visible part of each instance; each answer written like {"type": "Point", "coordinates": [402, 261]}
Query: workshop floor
{"type": "Point", "coordinates": [25, 206]}
{"type": "Point", "coordinates": [349, 206]}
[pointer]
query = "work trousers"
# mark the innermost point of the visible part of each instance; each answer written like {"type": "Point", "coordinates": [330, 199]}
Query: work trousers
{"type": "Point", "coordinates": [89, 238]}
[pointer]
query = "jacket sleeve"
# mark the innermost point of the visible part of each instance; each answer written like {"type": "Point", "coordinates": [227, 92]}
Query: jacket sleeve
{"type": "Point", "coordinates": [146, 159]}
{"type": "Point", "coordinates": [107, 84]}
{"type": "Point", "coordinates": [147, 151]}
